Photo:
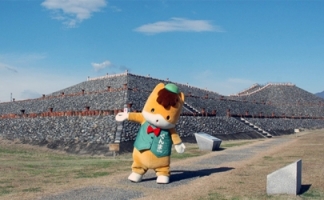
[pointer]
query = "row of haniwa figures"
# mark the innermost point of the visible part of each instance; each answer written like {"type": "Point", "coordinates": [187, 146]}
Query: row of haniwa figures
{"type": "Point", "coordinates": [51, 113]}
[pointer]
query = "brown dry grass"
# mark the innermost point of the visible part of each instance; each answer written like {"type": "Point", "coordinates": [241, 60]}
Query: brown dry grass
{"type": "Point", "coordinates": [246, 181]}
{"type": "Point", "coordinates": [27, 172]}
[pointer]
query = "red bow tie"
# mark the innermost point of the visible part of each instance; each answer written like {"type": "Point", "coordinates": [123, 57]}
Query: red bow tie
{"type": "Point", "coordinates": [156, 131]}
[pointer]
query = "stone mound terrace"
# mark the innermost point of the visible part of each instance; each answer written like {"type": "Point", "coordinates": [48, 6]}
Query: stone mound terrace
{"type": "Point", "coordinates": [83, 114]}
{"type": "Point", "coordinates": [112, 92]}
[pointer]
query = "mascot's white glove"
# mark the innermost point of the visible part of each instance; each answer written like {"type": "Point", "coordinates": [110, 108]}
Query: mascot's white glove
{"type": "Point", "coordinates": [180, 147]}
{"type": "Point", "coordinates": [121, 116]}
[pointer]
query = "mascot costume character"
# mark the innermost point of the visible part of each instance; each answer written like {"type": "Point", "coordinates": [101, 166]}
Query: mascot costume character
{"type": "Point", "coordinates": [152, 147]}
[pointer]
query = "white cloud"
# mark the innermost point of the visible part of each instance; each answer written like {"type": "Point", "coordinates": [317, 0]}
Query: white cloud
{"type": "Point", "coordinates": [99, 66]}
{"type": "Point", "coordinates": [112, 68]}
{"type": "Point", "coordinates": [72, 12]}
{"type": "Point", "coordinates": [178, 24]}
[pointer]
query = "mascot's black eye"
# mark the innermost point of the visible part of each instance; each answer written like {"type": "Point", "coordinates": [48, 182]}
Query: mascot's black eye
{"type": "Point", "coordinates": [168, 117]}
{"type": "Point", "coordinates": [152, 110]}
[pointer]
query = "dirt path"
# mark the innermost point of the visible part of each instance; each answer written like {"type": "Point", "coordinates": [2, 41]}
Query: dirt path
{"type": "Point", "coordinates": [191, 178]}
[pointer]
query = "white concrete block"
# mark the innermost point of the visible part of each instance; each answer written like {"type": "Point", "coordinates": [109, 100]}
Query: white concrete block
{"type": "Point", "coordinates": [297, 130]}
{"type": "Point", "coordinates": [286, 180]}
{"type": "Point", "coordinates": [207, 142]}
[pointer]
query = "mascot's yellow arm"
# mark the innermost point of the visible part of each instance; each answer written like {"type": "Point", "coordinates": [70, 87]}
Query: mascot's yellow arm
{"type": "Point", "coordinates": [138, 117]}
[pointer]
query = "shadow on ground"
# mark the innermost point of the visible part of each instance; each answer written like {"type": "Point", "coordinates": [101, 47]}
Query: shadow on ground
{"type": "Point", "coordinates": [178, 175]}
{"type": "Point", "coordinates": [304, 188]}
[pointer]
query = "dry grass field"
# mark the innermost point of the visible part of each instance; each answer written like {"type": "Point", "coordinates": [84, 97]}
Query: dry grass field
{"type": "Point", "coordinates": [248, 181]}
{"type": "Point", "coordinates": [29, 172]}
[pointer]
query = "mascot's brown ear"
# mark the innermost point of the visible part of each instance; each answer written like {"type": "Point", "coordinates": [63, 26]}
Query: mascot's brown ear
{"type": "Point", "coordinates": [182, 96]}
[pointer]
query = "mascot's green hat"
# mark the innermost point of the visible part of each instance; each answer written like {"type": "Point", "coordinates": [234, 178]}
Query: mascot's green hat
{"type": "Point", "coordinates": [172, 88]}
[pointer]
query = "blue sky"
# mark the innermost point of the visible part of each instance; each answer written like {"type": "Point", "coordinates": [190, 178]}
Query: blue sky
{"type": "Point", "coordinates": [224, 46]}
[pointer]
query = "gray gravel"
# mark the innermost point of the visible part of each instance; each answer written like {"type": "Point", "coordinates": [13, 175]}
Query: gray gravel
{"type": "Point", "coordinates": [180, 175]}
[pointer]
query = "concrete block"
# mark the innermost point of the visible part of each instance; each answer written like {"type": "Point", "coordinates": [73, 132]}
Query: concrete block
{"type": "Point", "coordinates": [297, 130]}
{"type": "Point", "coordinates": [207, 142]}
{"type": "Point", "coordinates": [286, 180]}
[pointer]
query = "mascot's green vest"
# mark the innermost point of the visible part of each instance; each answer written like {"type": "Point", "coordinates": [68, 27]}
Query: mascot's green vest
{"type": "Point", "coordinates": [159, 145]}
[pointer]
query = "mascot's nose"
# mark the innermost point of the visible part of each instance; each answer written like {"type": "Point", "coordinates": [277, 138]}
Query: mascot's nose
{"type": "Point", "coordinates": [157, 120]}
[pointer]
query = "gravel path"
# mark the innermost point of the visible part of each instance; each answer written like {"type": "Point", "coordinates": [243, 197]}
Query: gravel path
{"type": "Point", "coordinates": [181, 174]}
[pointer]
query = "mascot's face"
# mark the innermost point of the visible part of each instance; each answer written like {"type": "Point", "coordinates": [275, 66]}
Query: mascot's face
{"type": "Point", "coordinates": [162, 108]}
